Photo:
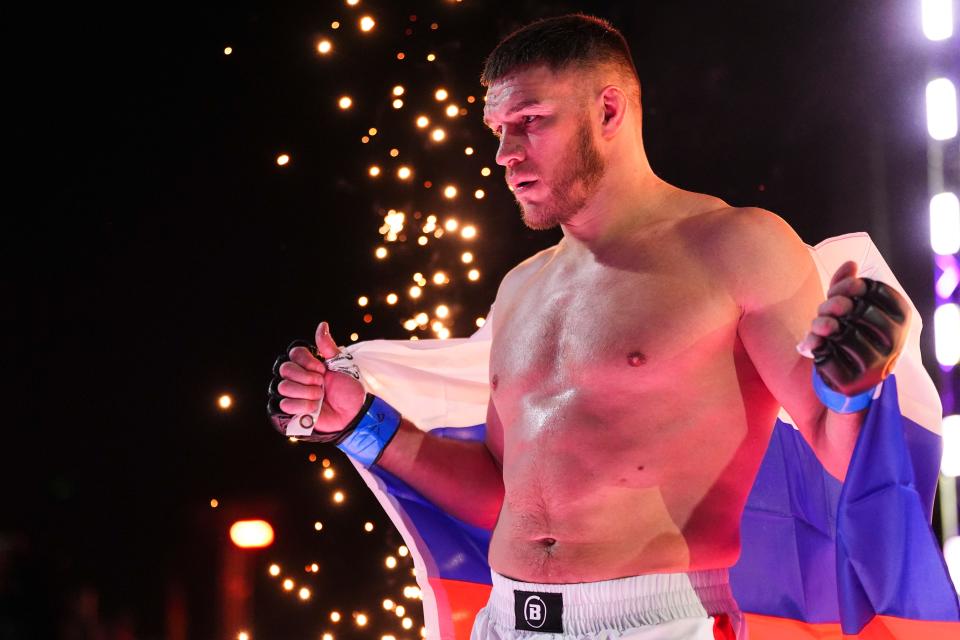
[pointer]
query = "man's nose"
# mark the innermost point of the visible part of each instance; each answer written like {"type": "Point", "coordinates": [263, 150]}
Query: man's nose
{"type": "Point", "coordinates": [510, 151]}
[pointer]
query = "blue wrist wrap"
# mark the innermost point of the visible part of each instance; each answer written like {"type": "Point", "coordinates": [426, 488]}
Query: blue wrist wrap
{"type": "Point", "coordinates": [373, 433]}
{"type": "Point", "coordinates": [836, 401]}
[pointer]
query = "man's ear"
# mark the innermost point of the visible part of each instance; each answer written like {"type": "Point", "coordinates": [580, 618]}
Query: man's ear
{"type": "Point", "coordinates": [614, 105]}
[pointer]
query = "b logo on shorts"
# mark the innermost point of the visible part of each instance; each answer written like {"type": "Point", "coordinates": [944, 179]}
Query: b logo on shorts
{"type": "Point", "coordinates": [534, 611]}
{"type": "Point", "coordinates": [538, 611]}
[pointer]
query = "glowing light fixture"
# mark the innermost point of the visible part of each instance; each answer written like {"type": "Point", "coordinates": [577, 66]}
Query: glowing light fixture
{"type": "Point", "coordinates": [951, 553]}
{"type": "Point", "coordinates": [945, 223]}
{"type": "Point", "coordinates": [950, 462]}
{"type": "Point", "coordinates": [937, 19]}
{"type": "Point", "coordinates": [946, 332]}
{"type": "Point", "coordinates": [251, 534]}
{"type": "Point", "coordinates": [941, 109]}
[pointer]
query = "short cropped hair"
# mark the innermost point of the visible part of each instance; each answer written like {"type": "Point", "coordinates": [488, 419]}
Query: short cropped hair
{"type": "Point", "coordinates": [560, 43]}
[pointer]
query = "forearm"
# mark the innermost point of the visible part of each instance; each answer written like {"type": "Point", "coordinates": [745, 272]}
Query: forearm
{"type": "Point", "coordinates": [461, 477]}
{"type": "Point", "coordinates": [835, 437]}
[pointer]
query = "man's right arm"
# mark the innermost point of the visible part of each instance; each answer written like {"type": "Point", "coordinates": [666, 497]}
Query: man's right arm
{"type": "Point", "coordinates": [464, 478]}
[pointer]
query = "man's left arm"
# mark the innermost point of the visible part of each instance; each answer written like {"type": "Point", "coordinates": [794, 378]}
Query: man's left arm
{"type": "Point", "coordinates": [783, 313]}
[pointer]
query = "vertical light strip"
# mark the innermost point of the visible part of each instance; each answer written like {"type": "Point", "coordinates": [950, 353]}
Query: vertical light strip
{"type": "Point", "coordinates": [937, 19]}
{"type": "Point", "coordinates": [945, 223]}
{"type": "Point", "coordinates": [946, 332]}
{"type": "Point", "coordinates": [941, 109]}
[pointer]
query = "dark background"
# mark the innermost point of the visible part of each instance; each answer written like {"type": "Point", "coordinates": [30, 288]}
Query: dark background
{"type": "Point", "coordinates": [156, 256]}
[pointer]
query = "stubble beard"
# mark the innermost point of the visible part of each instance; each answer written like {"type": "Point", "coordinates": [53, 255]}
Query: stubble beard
{"type": "Point", "coordinates": [578, 177]}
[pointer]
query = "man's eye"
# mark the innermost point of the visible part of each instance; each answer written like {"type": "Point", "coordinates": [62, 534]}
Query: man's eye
{"type": "Point", "coordinates": [529, 119]}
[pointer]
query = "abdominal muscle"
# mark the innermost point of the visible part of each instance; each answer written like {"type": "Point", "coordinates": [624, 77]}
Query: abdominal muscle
{"type": "Point", "coordinates": [591, 497]}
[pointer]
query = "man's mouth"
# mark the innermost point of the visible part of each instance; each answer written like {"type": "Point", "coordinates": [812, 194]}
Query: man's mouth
{"type": "Point", "coordinates": [521, 186]}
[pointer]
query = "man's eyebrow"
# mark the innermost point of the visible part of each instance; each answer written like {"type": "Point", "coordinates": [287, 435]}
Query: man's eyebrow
{"type": "Point", "coordinates": [523, 104]}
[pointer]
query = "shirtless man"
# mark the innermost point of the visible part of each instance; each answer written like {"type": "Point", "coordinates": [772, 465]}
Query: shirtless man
{"type": "Point", "coordinates": [636, 368]}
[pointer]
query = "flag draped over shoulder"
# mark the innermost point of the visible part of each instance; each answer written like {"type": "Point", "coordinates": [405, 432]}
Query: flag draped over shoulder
{"type": "Point", "coordinates": [819, 559]}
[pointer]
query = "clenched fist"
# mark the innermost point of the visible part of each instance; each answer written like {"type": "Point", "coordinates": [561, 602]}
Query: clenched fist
{"type": "Point", "coordinates": [316, 388]}
{"type": "Point", "coordinates": [859, 332]}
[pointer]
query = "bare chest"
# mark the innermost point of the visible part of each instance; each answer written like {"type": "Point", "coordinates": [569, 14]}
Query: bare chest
{"type": "Point", "coordinates": [605, 329]}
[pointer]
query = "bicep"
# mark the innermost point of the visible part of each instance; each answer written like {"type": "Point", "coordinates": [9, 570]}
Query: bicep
{"type": "Point", "coordinates": [779, 300]}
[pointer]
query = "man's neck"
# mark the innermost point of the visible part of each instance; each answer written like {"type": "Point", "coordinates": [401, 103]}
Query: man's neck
{"type": "Point", "coordinates": [621, 205]}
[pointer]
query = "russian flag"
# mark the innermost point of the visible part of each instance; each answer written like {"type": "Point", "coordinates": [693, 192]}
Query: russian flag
{"type": "Point", "coordinates": [819, 560]}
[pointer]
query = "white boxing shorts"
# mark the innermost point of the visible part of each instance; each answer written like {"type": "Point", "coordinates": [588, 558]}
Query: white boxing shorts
{"type": "Point", "coordinates": [662, 606]}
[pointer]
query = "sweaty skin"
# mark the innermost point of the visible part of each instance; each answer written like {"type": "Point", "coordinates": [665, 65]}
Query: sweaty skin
{"type": "Point", "coordinates": [628, 411]}
{"type": "Point", "coordinates": [637, 367]}
{"type": "Point", "coordinates": [633, 421]}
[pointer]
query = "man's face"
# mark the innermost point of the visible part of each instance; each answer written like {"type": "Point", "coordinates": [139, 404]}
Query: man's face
{"type": "Point", "coordinates": [546, 143]}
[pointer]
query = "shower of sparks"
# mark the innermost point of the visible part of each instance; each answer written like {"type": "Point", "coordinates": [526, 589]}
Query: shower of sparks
{"type": "Point", "coordinates": [430, 223]}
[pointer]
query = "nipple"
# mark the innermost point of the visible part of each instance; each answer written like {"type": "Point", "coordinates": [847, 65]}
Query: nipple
{"type": "Point", "coordinates": [636, 359]}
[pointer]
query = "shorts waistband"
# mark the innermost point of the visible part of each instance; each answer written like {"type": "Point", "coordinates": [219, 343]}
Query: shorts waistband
{"type": "Point", "coordinates": [623, 603]}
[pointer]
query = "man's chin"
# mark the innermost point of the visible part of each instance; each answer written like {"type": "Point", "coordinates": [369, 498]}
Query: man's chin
{"type": "Point", "coordinates": [537, 220]}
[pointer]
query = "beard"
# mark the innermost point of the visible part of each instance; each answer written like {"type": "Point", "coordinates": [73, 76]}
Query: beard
{"type": "Point", "coordinates": [578, 176]}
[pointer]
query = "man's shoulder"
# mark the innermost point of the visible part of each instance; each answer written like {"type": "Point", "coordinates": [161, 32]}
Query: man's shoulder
{"type": "Point", "coordinates": [745, 227]}
{"type": "Point", "coordinates": [521, 273]}
{"type": "Point", "coordinates": [738, 236]}
{"type": "Point", "coordinates": [756, 250]}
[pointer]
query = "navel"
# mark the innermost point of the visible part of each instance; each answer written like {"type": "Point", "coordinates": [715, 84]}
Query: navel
{"type": "Point", "coordinates": [495, 381]}
{"type": "Point", "coordinates": [636, 359]}
{"type": "Point", "coordinates": [547, 542]}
